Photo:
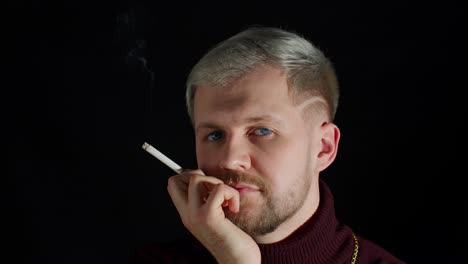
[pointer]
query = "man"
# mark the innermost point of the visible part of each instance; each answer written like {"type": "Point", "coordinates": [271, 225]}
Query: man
{"type": "Point", "coordinates": [262, 105]}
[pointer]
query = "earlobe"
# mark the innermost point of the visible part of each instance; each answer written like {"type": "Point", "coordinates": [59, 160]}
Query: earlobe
{"type": "Point", "coordinates": [330, 137]}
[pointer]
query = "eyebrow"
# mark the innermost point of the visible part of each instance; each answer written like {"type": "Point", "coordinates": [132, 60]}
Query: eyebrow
{"type": "Point", "coordinates": [249, 120]}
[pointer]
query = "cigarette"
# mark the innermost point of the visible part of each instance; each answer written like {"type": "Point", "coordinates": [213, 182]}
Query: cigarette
{"type": "Point", "coordinates": [153, 151]}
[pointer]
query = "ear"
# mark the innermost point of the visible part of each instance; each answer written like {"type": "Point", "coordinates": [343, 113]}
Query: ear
{"type": "Point", "coordinates": [330, 137]}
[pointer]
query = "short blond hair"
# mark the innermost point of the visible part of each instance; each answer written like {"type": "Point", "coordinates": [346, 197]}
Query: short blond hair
{"type": "Point", "coordinates": [309, 72]}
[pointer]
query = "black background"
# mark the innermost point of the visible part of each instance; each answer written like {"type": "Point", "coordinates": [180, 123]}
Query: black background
{"type": "Point", "coordinates": [89, 83]}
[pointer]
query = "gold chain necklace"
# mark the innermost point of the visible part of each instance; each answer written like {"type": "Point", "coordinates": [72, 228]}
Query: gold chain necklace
{"type": "Point", "coordinates": [356, 249]}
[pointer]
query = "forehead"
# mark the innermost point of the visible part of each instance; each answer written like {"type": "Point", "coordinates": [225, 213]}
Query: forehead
{"type": "Point", "coordinates": [262, 91]}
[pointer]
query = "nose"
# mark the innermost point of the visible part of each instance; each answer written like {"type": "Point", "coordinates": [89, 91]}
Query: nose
{"type": "Point", "coordinates": [235, 155]}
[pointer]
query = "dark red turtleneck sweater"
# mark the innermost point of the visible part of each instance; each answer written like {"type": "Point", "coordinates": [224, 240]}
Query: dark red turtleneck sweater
{"type": "Point", "coordinates": [322, 239]}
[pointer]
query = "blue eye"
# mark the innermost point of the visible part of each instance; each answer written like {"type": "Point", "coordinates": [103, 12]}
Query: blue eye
{"type": "Point", "coordinates": [214, 136]}
{"type": "Point", "coordinates": [262, 132]}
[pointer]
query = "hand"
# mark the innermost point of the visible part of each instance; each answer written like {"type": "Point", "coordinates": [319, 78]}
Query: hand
{"type": "Point", "coordinates": [200, 199]}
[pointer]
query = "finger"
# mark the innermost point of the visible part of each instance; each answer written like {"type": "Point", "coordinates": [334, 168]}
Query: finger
{"type": "Point", "coordinates": [192, 171]}
{"type": "Point", "coordinates": [177, 189]}
{"type": "Point", "coordinates": [221, 195]}
{"type": "Point", "coordinates": [199, 187]}
{"type": "Point", "coordinates": [178, 184]}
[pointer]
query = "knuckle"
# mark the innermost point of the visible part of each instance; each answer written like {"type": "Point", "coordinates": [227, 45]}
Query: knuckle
{"type": "Point", "coordinates": [191, 171]}
{"type": "Point", "coordinates": [221, 188]}
{"type": "Point", "coordinates": [170, 180]}
{"type": "Point", "coordinates": [199, 172]}
{"type": "Point", "coordinates": [193, 178]}
{"type": "Point", "coordinates": [170, 183]}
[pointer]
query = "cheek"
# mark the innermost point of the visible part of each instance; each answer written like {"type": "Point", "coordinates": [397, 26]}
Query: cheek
{"type": "Point", "coordinates": [201, 155]}
{"type": "Point", "coordinates": [206, 158]}
{"type": "Point", "coordinates": [283, 162]}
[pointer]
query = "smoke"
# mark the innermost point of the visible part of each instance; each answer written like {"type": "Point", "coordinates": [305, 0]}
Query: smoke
{"type": "Point", "coordinates": [133, 50]}
{"type": "Point", "coordinates": [135, 59]}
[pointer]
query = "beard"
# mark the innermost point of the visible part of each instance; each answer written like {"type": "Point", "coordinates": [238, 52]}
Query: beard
{"type": "Point", "coordinates": [259, 217]}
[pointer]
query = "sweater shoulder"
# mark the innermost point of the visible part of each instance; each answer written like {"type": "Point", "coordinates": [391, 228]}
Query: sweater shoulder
{"type": "Point", "coordinates": [371, 253]}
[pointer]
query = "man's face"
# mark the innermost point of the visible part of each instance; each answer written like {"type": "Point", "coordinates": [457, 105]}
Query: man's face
{"type": "Point", "coordinates": [252, 137]}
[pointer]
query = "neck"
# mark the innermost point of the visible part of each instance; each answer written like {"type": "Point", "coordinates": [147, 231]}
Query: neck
{"type": "Point", "coordinates": [304, 213]}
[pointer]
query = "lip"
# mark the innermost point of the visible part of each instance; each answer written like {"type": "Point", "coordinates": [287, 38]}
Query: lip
{"type": "Point", "coordinates": [245, 188]}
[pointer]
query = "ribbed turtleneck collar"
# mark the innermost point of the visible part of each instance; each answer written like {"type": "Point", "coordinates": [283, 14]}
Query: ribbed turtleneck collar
{"type": "Point", "coordinates": [320, 240]}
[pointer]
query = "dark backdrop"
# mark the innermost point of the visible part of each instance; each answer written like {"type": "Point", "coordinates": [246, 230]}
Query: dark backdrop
{"type": "Point", "coordinates": [92, 81]}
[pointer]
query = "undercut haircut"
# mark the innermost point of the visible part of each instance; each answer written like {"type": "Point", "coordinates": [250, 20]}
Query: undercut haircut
{"type": "Point", "coordinates": [309, 72]}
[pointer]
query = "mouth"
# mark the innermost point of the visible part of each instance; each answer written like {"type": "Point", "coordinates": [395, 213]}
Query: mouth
{"type": "Point", "coordinates": [245, 188]}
